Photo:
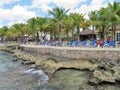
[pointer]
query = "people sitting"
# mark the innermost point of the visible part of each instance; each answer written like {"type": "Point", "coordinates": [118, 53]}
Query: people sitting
{"type": "Point", "coordinates": [99, 43]}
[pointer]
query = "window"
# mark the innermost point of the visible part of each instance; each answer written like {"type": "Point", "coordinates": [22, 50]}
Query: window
{"type": "Point", "coordinates": [118, 36]}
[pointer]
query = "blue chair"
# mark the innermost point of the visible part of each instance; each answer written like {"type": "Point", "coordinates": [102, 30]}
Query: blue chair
{"type": "Point", "coordinates": [111, 43]}
{"type": "Point", "coordinates": [92, 43]}
{"type": "Point", "coordinates": [71, 43]}
{"type": "Point", "coordinates": [105, 44]}
{"type": "Point", "coordinates": [76, 43]}
{"type": "Point", "coordinates": [84, 43]}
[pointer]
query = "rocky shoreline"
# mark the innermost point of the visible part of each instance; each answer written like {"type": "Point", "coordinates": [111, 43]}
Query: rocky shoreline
{"type": "Point", "coordinates": [99, 74]}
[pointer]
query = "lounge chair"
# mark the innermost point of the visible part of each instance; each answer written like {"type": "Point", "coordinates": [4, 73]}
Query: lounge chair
{"type": "Point", "coordinates": [76, 43]}
{"type": "Point", "coordinates": [71, 43]}
{"type": "Point", "coordinates": [92, 43]}
{"type": "Point", "coordinates": [84, 43]}
{"type": "Point", "coordinates": [111, 43]}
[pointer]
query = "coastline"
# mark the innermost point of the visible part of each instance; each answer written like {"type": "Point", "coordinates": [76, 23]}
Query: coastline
{"type": "Point", "coordinates": [101, 71]}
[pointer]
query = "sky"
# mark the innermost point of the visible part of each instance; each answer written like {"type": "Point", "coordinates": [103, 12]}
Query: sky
{"type": "Point", "coordinates": [19, 11]}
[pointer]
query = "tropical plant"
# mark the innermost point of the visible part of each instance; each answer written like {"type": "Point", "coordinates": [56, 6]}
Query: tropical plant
{"type": "Point", "coordinates": [93, 19]}
{"type": "Point", "coordinates": [77, 20]}
{"type": "Point", "coordinates": [113, 10]}
{"type": "Point", "coordinates": [59, 14]}
{"type": "Point", "coordinates": [103, 20]}
{"type": "Point", "coordinates": [49, 27]}
{"type": "Point", "coordinates": [68, 26]}
{"type": "Point", "coordinates": [3, 32]}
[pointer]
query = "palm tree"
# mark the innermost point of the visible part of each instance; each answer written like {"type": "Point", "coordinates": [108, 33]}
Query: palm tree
{"type": "Point", "coordinates": [3, 31]}
{"type": "Point", "coordinates": [59, 14]}
{"type": "Point", "coordinates": [50, 27]}
{"type": "Point", "coordinates": [32, 27]}
{"type": "Point", "coordinates": [77, 20]}
{"type": "Point", "coordinates": [68, 25]}
{"type": "Point", "coordinates": [113, 10]}
{"type": "Point", "coordinates": [103, 20]}
{"type": "Point", "coordinates": [36, 25]}
{"type": "Point", "coordinates": [18, 29]}
{"type": "Point", "coordinates": [93, 16]}
{"type": "Point", "coordinates": [40, 21]}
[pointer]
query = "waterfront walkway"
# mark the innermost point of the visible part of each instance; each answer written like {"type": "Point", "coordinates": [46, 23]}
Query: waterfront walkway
{"type": "Point", "coordinates": [73, 48]}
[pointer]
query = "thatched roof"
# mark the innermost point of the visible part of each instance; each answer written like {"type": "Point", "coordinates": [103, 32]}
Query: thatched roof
{"type": "Point", "coordinates": [87, 32]}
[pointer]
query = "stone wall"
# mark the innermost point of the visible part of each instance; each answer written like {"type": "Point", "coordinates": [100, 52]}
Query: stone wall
{"type": "Point", "coordinates": [74, 53]}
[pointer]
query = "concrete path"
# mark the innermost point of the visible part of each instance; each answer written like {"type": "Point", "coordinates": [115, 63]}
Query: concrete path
{"type": "Point", "coordinates": [72, 48]}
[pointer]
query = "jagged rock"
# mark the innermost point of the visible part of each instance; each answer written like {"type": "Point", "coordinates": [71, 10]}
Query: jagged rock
{"type": "Point", "coordinates": [28, 62]}
{"type": "Point", "coordinates": [39, 67]}
{"type": "Point", "coordinates": [14, 59]}
{"type": "Point", "coordinates": [116, 72]}
{"type": "Point", "coordinates": [104, 76]}
{"type": "Point", "coordinates": [32, 66]}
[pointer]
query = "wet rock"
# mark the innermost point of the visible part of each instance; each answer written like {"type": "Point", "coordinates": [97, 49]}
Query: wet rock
{"type": "Point", "coordinates": [104, 76]}
{"type": "Point", "coordinates": [86, 87]}
{"type": "Point", "coordinates": [116, 72]}
{"type": "Point", "coordinates": [28, 62]}
{"type": "Point", "coordinates": [14, 59]}
{"type": "Point", "coordinates": [38, 66]}
{"type": "Point", "coordinates": [32, 66]}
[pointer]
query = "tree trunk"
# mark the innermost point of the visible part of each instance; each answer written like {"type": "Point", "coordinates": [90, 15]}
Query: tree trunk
{"type": "Point", "coordinates": [37, 38]}
{"type": "Point", "coordinates": [114, 33]}
{"type": "Point", "coordinates": [72, 33]}
{"type": "Point", "coordinates": [93, 33]}
{"type": "Point", "coordinates": [67, 34]}
{"type": "Point", "coordinates": [60, 38]}
{"type": "Point", "coordinates": [55, 35]}
{"type": "Point", "coordinates": [103, 32]}
{"type": "Point", "coordinates": [78, 33]}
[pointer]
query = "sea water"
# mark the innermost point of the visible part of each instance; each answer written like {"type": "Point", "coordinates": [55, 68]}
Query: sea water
{"type": "Point", "coordinates": [15, 76]}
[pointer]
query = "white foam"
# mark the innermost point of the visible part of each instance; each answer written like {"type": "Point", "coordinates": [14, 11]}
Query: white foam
{"type": "Point", "coordinates": [40, 72]}
{"type": "Point", "coordinates": [29, 71]}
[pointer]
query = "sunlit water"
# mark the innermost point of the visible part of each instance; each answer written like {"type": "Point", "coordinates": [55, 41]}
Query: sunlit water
{"type": "Point", "coordinates": [14, 76]}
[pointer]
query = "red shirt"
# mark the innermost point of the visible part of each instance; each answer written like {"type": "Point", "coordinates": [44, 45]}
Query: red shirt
{"type": "Point", "coordinates": [99, 42]}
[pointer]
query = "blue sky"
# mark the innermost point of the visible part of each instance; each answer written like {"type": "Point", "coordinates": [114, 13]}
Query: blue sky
{"type": "Point", "coordinates": [19, 11]}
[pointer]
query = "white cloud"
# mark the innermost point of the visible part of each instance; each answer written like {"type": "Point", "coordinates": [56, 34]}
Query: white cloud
{"type": "Point", "coordinates": [94, 5]}
{"type": "Point", "coordinates": [2, 2]}
{"type": "Point", "coordinates": [17, 13]}
{"type": "Point", "coordinates": [44, 4]}
{"type": "Point", "coordinates": [21, 13]}
{"type": "Point", "coordinates": [71, 4]}
{"type": "Point", "coordinates": [14, 22]}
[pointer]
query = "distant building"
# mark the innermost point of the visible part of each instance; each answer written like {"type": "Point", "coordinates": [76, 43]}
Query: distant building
{"type": "Point", "coordinates": [117, 35]}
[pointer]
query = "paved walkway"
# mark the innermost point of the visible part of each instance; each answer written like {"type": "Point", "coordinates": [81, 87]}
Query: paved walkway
{"type": "Point", "coordinates": [72, 48]}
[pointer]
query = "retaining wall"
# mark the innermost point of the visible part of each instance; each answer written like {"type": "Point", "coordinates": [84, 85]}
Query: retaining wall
{"type": "Point", "coordinates": [74, 53]}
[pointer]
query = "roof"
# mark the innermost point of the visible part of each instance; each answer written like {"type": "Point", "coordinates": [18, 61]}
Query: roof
{"type": "Point", "coordinates": [87, 32]}
{"type": "Point", "coordinates": [117, 27]}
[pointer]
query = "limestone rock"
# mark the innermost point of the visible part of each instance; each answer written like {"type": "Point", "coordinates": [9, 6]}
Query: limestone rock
{"type": "Point", "coordinates": [103, 75]}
